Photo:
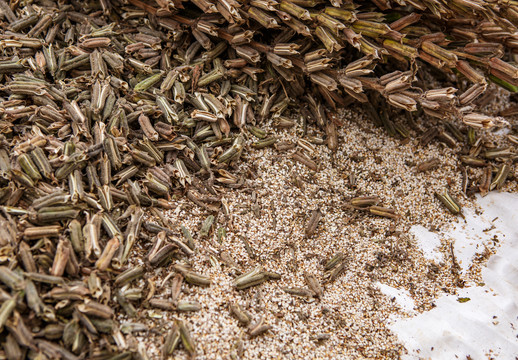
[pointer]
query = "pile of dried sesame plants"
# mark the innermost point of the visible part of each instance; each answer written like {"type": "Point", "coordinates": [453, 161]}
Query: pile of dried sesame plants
{"type": "Point", "coordinates": [131, 132]}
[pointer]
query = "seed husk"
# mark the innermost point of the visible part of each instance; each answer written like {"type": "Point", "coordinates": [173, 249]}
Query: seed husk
{"type": "Point", "coordinates": [313, 221]}
{"type": "Point", "coordinates": [6, 310]}
{"type": "Point", "coordinates": [365, 201]}
{"type": "Point", "coordinates": [172, 340]}
{"type": "Point", "coordinates": [336, 271]}
{"type": "Point", "coordinates": [334, 261]}
{"type": "Point", "coordinates": [128, 308]}
{"type": "Point", "coordinates": [242, 316]}
{"type": "Point", "coordinates": [259, 328]}
{"type": "Point", "coordinates": [383, 211]}
{"type": "Point", "coordinates": [192, 277]}
{"type": "Point", "coordinates": [11, 279]}
{"type": "Point", "coordinates": [188, 306]}
{"type": "Point", "coordinates": [428, 165]}
{"type": "Point", "coordinates": [298, 291]}
{"type": "Point", "coordinates": [313, 284]}
{"type": "Point", "coordinates": [41, 231]}
{"type": "Point", "coordinates": [187, 341]}
{"type": "Point", "coordinates": [129, 275]}
{"type": "Point", "coordinates": [500, 177]}
{"type": "Point", "coordinates": [254, 277]}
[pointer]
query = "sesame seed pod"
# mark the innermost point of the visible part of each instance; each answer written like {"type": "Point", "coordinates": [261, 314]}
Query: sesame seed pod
{"type": "Point", "coordinates": [428, 165]}
{"type": "Point", "coordinates": [50, 58]}
{"type": "Point", "coordinates": [365, 201]}
{"type": "Point", "coordinates": [405, 21]}
{"type": "Point", "coordinates": [11, 279]}
{"type": "Point", "coordinates": [334, 261]}
{"type": "Point", "coordinates": [169, 114]}
{"type": "Point", "coordinates": [6, 310]}
{"type": "Point", "coordinates": [264, 143]}
{"type": "Point", "coordinates": [286, 49]}
{"type": "Point", "coordinates": [148, 82]}
{"type": "Point", "coordinates": [188, 306]}
{"type": "Point", "coordinates": [449, 202]}
{"type": "Point", "coordinates": [29, 167]}
{"type": "Point", "coordinates": [295, 10]}
{"type": "Point", "coordinates": [129, 275]}
{"type": "Point", "coordinates": [465, 69]}
{"type": "Point", "coordinates": [340, 13]}
{"type": "Point", "coordinates": [206, 6]}
{"type": "Point", "coordinates": [314, 55]}
{"type": "Point", "coordinates": [329, 41]}
{"type": "Point", "coordinates": [324, 80]}
{"type": "Point", "coordinates": [171, 341]}
{"type": "Point", "coordinates": [383, 211]}
{"type": "Point", "coordinates": [266, 20]}
{"type": "Point", "coordinates": [298, 26]}
{"type": "Point", "coordinates": [257, 132]}
{"type": "Point", "coordinates": [259, 328]}
{"type": "Point", "coordinates": [210, 77]}
{"type": "Point", "coordinates": [187, 341]}
{"type": "Point", "coordinates": [479, 120]}
{"type": "Point", "coordinates": [112, 150]}
{"type": "Point", "coordinates": [472, 93]}
{"type": "Point", "coordinates": [438, 52]}
{"type": "Point", "coordinates": [500, 177]}
{"type": "Point", "coordinates": [248, 53]}
{"type": "Point", "coordinates": [401, 49]}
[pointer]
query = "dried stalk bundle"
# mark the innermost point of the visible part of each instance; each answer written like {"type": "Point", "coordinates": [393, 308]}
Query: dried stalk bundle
{"type": "Point", "coordinates": [110, 107]}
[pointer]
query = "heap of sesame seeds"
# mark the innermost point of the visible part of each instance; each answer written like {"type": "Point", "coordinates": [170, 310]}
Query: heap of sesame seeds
{"type": "Point", "coordinates": [270, 215]}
